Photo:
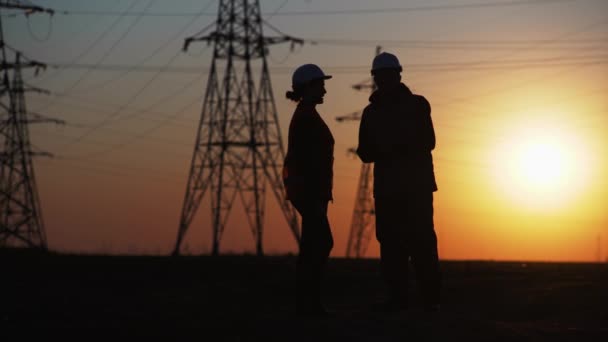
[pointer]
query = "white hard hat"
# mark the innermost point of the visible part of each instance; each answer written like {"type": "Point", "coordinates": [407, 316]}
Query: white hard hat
{"type": "Point", "coordinates": [306, 73]}
{"type": "Point", "coordinates": [386, 60]}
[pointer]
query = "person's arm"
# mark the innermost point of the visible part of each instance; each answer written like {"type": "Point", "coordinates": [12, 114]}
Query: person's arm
{"type": "Point", "coordinates": [325, 145]}
{"type": "Point", "coordinates": [421, 136]}
{"type": "Point", "coordinates": [301, 145]}
{"type": "Point", "coordinates": [315, 161]}
{"type": "Point", "coordinates": [427, 140]}
{"type": "Point", "coordinates": [366, 150]}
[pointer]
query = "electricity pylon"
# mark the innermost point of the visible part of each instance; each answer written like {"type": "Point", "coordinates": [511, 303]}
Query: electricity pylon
{"type": "Point", "coordinates": [363, 221]}
{"type": "Point", "coordinates": [238, 148]}
{"type": "Point", "coordinates": [21, 223]}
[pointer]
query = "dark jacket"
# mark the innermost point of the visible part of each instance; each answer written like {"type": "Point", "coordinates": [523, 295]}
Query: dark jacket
{"type": "Point", "coordinates": [397, 135]}
{"type": "Point", "coordinates": [308, 166]}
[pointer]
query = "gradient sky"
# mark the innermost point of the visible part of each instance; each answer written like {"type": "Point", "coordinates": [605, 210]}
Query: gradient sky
{"type": "Point", "coordinates": [508, 82]}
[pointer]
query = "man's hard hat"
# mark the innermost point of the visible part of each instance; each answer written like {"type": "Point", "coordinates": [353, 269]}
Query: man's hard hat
{"type": "Point", "coordinates": [386, 60]}
{"type": "Point", "coordinates": [307, 73]}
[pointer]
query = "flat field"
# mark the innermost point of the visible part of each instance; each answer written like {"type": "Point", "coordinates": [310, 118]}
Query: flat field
{"type": "Point", "coordinates": [248, 298]}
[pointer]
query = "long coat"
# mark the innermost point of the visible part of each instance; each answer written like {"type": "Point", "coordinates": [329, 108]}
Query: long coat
{"type": "Point", "coordinates": [396, 133]}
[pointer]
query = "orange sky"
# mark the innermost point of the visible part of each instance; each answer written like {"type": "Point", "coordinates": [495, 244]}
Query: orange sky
{"type": "Point", "coordinates": [497, 77]}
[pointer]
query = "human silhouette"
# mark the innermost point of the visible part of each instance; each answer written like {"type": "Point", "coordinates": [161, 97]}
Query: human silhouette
{"type": "Point", "coordinates": [308, 177]}
{"type": "Point", "coordinates": [396, 134]}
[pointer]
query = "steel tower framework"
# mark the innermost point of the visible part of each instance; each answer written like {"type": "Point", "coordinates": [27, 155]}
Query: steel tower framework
{"type": "Point", "coordinates": [21, 223]}
{"type": "Point", "coordinates": [364, 215]}
{"type": "Point", "coordinates": [238, 148]}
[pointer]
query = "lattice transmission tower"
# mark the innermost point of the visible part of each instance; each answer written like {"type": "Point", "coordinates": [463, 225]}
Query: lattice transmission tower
{"type": "Point", "coordinates": [21, 223]}
{"type": "Point", "coordinates": [363, 221]}
{"type": "Point", "coordinates": [238, 148]}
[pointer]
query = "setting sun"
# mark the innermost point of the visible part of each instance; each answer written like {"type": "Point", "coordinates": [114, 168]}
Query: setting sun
{"type": "Point", "coordinates": [542, 166]}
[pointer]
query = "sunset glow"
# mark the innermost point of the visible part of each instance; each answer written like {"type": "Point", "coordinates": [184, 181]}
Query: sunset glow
{"type": "Point", "coordinates": [542, 167]}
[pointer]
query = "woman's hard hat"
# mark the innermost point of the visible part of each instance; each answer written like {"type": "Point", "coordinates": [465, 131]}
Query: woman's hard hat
{"type": "Point", "coordinates": [307, 73]}
{"type": "Point", "coordinates": [386, 60]}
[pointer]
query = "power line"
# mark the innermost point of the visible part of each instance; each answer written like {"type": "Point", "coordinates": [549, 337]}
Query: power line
{"type": "Point", "coordinates": [154, 53]}
{"type": "Point", "coordinates": [162, 122]}
{"type": "Point", "coordinates": [428, 8]}
{"type": "Point", "coordinates": [471, 65]}
{"type": "Point", "coordinates": [138, 136]}
{"type": "Point", "coordinates": [105, 144]}
{"type": "Point", "coordinates": [528, 49]}
{"type": "Point", "coordinates": [131, 99]}
{"type": "Point", "coordinates": [576, 45]}
{"type": "Point", "coordinates": [94, 44]}
{"type": "Point", "coordinates": [456, 162]}
{"type": "Point", "coordinates": [424, 8]}
{"type": "Point", "coordinates": [114, 45]}
{"type": "Point", "coordinates": [518, 85]}
{"type": "Point", "coordinates": [365, 67]}
{"type": "Point", "coordinates": [46, 36]}
{"type": "Point", "coordinates": [277, 10]}
{"type": "Point", "coordinates": [81, 31]}
{"type": "Point", "coordinates": [116, 171]}
{"type": "Point", "coordinates": [468, 42]}
{"type": "Point", "coordinates": [129, 133]}
{"type": "Point", "coordinates": [135, 111]}
{"type": "Point", "coordinates": [117, 112]}
{"type": "Point", "coordinates": [138, 114]}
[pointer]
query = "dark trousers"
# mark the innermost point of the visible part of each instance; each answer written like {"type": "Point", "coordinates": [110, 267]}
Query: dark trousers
{"type": "Point", "coordinates": [405, 230]}
{"type": "Point", "coordinates": [316, 243]}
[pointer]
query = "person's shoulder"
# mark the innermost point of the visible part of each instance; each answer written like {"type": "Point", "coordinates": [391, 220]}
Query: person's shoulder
{"type": "Point", "coordinates": [305, 118]}
{"type": "Point", "coordinates": [421, 102]}
{"type": "Point", "coordinates": [298, 119]}
{"type": "Point", "coordinates": [301, 114]}
{"type": "Point", "coordinates": [367, 111]}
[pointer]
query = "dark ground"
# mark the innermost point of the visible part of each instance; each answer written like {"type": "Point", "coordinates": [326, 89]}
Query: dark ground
{"type": "Point", "coordinates": [245, 298]}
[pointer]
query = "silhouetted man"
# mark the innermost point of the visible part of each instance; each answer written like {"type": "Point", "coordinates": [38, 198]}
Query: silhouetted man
{"type": "Point", "coordinates": [397, 135]}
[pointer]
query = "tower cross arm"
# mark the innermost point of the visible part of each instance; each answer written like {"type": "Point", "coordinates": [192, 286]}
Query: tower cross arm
{"type": "Point", "coordinates": [36, 90]}
{"type": "Point", "coordinates": [40, 154]}
{"type": "Point", "coordinates": [363, 86]}
{"type": "Point", "coordinates": [283, 39]}
{"type": "Point", "coordinates": [39, 118]}
{"type": "Point", "coordinates": [30, 64]}
{"type": "Point", "coordinates": [29, 9]}
{"type": "Point", "coordinates": [266, 40]}
{"type": "Point", "coordinates": [355, 116]}
{"type": "Point", "coordinates": [208, 38]}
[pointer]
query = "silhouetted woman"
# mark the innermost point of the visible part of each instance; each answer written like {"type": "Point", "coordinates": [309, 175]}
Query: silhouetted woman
{"type": "Point", "coordinates": [307, 174]}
